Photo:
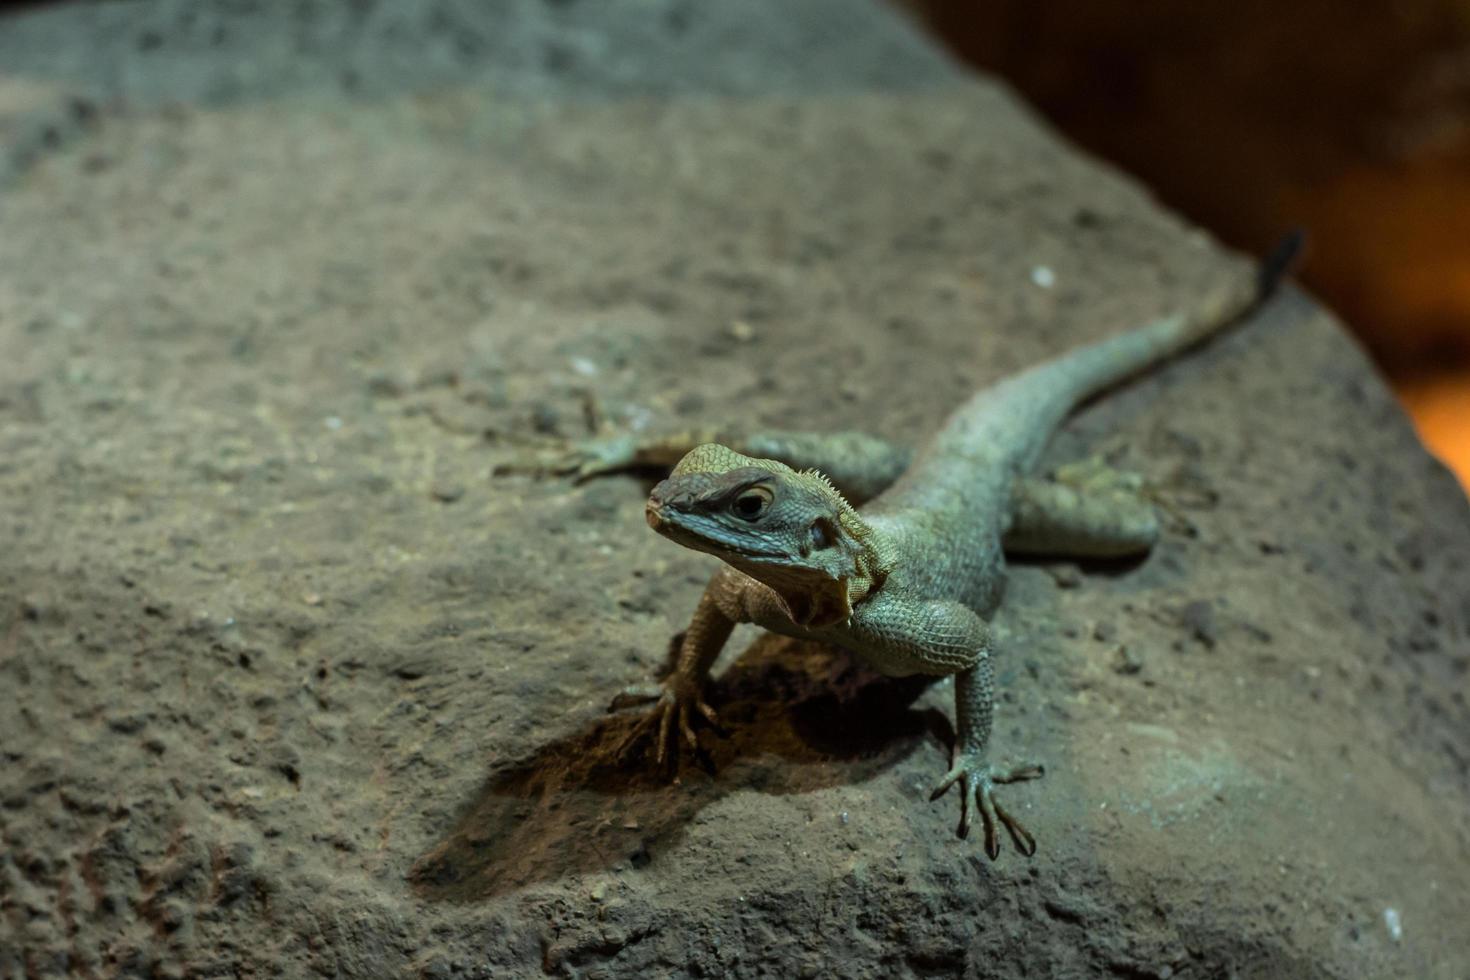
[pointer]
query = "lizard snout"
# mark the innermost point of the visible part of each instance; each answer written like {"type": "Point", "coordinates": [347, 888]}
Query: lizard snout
{"type": "Point", "coordinates": [653, 511]}
{"type": "Point", "coordinates": [677, 496]}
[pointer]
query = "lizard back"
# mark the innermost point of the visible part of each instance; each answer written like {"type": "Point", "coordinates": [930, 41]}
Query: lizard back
{"type": "Point", "coordinates": [951, 507]}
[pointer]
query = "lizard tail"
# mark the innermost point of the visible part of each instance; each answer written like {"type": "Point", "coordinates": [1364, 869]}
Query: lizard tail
{"type": "Point", "coordinates": [1022, 411]}
{"type": "Point", "coordinates": [1279, 262]}
{"type": "Point", "coordinates": [1084, 373]}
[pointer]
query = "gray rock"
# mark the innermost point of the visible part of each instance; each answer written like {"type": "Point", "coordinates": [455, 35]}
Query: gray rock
{"type": "Point", "coordinates": [375, 740]}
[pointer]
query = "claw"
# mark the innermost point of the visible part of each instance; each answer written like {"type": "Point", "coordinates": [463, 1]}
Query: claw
{"type": "Point", "coordinates": [665, 718]}
{"type": "Point", "coordinates": [670, 720]}
{"type": "Point", "coordinates": [634, 695]}
{"type": "Point", "coordinates": [1031, 770]}
{"type": "Point", "coordinates": [685, 729]}
{"type": "Point", "coordinates": [1020, 836]}
{"type": "Point", "coordinates": [708, 712]}
{"type": "Point", "coordinates": [591, 458]}
{"type": "Point", "coordinates": [950, 778]}
{"type": "Point", "coordinates": [640, 729]}
{"type": "Point", "coordinates": [987, 814]}
{"type": "Point", "coordinates": [978, 782]}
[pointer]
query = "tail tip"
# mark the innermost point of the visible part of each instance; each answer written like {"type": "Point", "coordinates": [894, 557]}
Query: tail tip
{"type": "Point", "coordinates": [1280, 260]}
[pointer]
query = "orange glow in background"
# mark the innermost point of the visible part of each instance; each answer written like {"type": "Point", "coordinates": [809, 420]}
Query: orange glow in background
{"type": "Point", "coordinates": [1441, 411]}
{"type": "Point", "coordinates": [1361, 138]}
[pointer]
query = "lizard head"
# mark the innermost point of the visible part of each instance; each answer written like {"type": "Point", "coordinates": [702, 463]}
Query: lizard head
{"type": "Point", "coordinates": [790, 530]}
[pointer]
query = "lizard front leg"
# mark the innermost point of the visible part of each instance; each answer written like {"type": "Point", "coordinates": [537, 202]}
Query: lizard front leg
{"type": "Point", "coordinates": [681, 693]}
{"type": "Point", "coordinates": [899, 634]}
{"type": "Point", "coordinates": [977, 778]}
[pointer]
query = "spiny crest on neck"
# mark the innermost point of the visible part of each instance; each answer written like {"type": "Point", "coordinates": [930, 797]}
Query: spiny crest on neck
{"type": "Point", "coordinates": [875, 559]}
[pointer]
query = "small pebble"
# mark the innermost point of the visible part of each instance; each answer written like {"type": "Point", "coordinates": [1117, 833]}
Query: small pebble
{"type": "Point", "coordinates": [381, 384]}
{"type": "Point", "coordinates": [446, 491]}
{"type": "Point", "coordinates": [1395, 927]}
{"type": "Point", "coordinates": [1042, 276]}
{"type": "Point", "coordinates": [545, 419]}
{"type": "Point", "coordinates": [1125, 661]}
{"type": "Point", "coordinates": [1199, 618]}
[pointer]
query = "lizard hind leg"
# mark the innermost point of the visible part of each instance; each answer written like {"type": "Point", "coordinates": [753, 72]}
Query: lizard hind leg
{"type": "Point", "coordinates": [1089, 510]}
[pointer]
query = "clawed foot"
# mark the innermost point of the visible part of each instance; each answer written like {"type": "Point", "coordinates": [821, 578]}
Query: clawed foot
{"type": "Point", "coordinates": [1094, 475]}
{"type": "Point", "coordinates": [673, 705]}
{"type": "Point", "coordinates": [581, 460]}
{"type": "Point", "coordinates": [978, 780]}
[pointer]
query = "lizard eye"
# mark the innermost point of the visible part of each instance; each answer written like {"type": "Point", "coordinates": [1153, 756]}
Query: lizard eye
{"type": "Point", "coordinates": [751, 504]}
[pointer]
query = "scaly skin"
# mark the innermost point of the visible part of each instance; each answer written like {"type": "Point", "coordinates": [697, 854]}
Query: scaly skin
{"type": "Point", "coordinates": [909, 581]}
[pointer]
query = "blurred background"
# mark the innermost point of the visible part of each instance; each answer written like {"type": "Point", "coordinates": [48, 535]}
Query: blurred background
{"type": "Point", "coordinates": [1350, 119]}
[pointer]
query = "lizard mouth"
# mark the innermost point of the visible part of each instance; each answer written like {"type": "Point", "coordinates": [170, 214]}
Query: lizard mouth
{"type": "Point", "coordinates": [676, 530]}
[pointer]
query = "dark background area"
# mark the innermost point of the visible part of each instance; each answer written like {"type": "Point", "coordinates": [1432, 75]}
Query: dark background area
{"type": "Point", "coordinates": [1351, 120]}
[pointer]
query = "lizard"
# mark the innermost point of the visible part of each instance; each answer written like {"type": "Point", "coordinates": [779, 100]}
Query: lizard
{"type": "Point", "coordinates": [899, 556]}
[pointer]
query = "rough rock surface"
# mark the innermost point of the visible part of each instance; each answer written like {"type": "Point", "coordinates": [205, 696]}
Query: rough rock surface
{"type": "Point", "coordinates": [293, 686]}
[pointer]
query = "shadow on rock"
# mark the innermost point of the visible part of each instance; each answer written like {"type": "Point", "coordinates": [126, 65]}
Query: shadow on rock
{"type": "Point", "coordinates": [797, 717]}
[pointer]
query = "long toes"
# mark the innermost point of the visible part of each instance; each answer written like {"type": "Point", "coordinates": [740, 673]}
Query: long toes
{"type": "Point", "coordinates": [1020, 836]}
{"type": "Point", "coordinates": [665, 726]}
{"type": "Point", "coordinates": [964, 828]}
{"type": "Point", "coordinates": [992, 840]}
{"type": "Point", "coordinates": [949, 780]}
{"type": "Point", "coordinates": [536, 461]}
{"type": "Point", "coordinates": [709, 714]}
{"type": "Point", "coordinates": [634, 695]}
{"type": "Point", "coordinates": [686, 728]}
{"type": "Point", "coordinates": [987, 813]}
{"type": "Point", "coordinates": [582, 472]}
{"type": "Point", "coordinates": [1031, 770]}
{"type": "Point", "coordinates": [641, 729]}
{"type": "Point", "coordinates": [625, 747]}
